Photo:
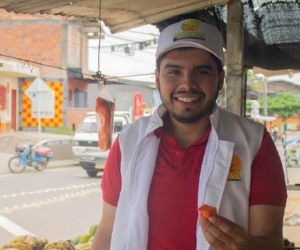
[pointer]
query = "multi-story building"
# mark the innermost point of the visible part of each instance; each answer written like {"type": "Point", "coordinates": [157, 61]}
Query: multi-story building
{"type": "Point", "coordinates": [54, 51]}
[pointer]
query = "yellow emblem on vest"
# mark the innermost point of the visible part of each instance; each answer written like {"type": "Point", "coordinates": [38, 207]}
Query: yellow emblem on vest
{"type": "Point", "coordinates": [235, 169]}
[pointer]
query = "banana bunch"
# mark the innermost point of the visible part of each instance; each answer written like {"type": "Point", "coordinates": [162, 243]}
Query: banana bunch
{"type": "Point", "coordinates": [18, 246]}
{"type": "Point", "coordinates": [34, 242]}
{"type": "Point", "coordinates": [59, 245]}
{"type": "Point", "coordinates": [84, 246]}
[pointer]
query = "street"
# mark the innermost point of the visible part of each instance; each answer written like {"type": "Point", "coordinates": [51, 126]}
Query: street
{"type": "Point", "coordinates": [60, 203]}
{"type": "Point", "coordinates": [57, 204]}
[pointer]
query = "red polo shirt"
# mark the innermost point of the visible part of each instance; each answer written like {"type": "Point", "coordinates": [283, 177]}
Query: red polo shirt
{"type": "Point", "coordinates": [174, 188]}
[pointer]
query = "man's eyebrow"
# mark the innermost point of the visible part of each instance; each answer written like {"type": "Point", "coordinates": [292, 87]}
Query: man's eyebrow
{"type": "Point", "coordinates": [171, 65]}
{"type": "Point", "coordinates": [205, 66]}
{"type": "Point", "coordinates": [176, 66]}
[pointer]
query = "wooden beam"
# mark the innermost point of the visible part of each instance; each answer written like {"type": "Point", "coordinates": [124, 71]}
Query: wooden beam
{"type": "Point", "coordinates": [235, 59]}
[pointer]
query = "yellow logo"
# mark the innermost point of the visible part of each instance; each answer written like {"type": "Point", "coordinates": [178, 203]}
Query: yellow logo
{"type": "Point", "coordinates": [190, 30]}
{"type": "Point", "coordinates": [235, 169]}
{"type": "Point", "coordinates": [190, 25]}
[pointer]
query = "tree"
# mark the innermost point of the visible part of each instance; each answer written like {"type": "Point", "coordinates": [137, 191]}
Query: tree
{"type": "Point", "coordinates": [283, 105]}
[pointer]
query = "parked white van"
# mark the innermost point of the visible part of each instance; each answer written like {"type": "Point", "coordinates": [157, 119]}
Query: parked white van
{"type": "Point", "coordinates": [86, 136]}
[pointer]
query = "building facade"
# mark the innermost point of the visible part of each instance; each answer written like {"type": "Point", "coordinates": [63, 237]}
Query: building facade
{"type": "Point", "coordinates": [46, 47]}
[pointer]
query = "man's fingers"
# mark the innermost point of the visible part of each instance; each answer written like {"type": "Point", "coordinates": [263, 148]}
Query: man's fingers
{"type": "Point", "coordinates": [222, 233]}
{"type": "Point", "coordinates": [214, 241]}
{"type": "Point", "coordinates": [213, 233]}
{"type": "Point", "coordinates": [228, 227]}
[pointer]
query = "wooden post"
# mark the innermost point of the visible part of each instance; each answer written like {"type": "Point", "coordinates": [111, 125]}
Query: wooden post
{"type": "Point", "coordinates": [235, 101]}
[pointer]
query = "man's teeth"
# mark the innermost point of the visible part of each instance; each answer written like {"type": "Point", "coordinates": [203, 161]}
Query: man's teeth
{"type": "Point", "coordinates": [187, 99]}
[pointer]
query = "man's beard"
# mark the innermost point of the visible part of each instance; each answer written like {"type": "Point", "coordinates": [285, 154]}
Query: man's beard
{"type": "Point", "coordinates": [192, 118]}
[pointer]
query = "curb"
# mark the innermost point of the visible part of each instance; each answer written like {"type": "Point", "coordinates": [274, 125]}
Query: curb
{"type": "Point", "coordinates": [63, 163]}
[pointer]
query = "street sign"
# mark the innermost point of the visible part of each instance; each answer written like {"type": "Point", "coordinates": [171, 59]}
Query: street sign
{"type": "Point", "coordinates": [42, 99]}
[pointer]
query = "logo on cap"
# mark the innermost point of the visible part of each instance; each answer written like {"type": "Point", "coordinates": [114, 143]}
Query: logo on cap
{"type": "Point", "coordinates": [190, 25]}
{"type": "Point", "coordinates": [190, 30]}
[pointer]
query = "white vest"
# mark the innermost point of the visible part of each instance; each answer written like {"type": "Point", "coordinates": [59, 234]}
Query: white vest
{"type": "Point", "coordinates": [233, 139]}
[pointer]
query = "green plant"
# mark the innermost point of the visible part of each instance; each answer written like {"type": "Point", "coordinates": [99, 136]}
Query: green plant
{"type": "Point", "coordinates": [60, 130]}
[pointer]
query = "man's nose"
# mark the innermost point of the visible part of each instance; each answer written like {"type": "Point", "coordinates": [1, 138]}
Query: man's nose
{"type": "Point", "coordinates": [189, 81]}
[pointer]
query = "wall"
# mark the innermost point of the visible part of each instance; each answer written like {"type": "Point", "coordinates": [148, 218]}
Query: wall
{"type": "Point", "coordinates": [29, 37]}
{"type": "Point", "coordinates": [51, 40]}
{"type": "Point", "coordinates": [147, 92]}
{"type": "Point", "coordinates": [268, 73]}
{"type": "Point", "coordinates": [7, 84]}
{"type": "Point", "coordinates": [275, 87]}
{"type": "Point", "coordinates": [52, 109]}
{"type": "Point", "coordinates": [10, 71]}
{"type": "Point", "coordinates": [75, 116]}
{"type": "Point", "coordinates": [77, 93]}
{"type": "Point", "coordinates": [55, 43]}
{"type": "Point", "coordinates": [293, 123]}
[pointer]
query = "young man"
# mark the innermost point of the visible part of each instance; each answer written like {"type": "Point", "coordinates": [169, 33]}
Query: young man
{"type": "Point", "coordinates": [189, 153]}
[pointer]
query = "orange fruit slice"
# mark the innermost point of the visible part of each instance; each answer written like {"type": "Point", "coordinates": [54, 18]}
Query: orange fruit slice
{"type": "Point", "coordinates": [207, 211]}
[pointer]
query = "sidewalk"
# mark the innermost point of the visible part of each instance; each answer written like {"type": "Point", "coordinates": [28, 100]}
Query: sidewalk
{"type": "Point", "coordinates": [63, 163]}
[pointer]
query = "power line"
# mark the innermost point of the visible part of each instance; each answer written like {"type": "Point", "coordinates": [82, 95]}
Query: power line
{"type": "Point", "coordinates": [26, 63]}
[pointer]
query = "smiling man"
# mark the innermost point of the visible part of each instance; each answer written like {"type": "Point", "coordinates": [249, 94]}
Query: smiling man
{"type": "Point", "coordinates": [190, 153]}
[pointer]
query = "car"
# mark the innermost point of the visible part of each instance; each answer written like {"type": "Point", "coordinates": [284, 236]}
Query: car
{"type": "Point", "coordinates": [93, 162]}
{"type": "Point", "coordinates": [85, 139]}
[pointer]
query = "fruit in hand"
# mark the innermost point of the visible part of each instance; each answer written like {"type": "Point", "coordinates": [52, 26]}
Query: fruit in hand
{"type": "Point", "coordinates": [207, 211]}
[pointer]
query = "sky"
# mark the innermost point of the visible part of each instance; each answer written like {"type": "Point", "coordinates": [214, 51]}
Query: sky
{"type": "Point", "coordinates": [139, 59]}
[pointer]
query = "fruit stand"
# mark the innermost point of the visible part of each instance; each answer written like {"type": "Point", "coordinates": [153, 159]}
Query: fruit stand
{"type": "Point", "coordinates": [31, 242]}
{"type": "Point", "coordinates": [80, 242]}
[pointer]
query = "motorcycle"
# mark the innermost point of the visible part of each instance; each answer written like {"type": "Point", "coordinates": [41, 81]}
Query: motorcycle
{"type": "Point", "coordinates": [28, 155]}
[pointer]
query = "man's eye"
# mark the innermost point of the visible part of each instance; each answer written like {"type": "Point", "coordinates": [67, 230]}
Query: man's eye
{"type": "Point", "coordinates": [202, 72]}
{"type": "Point", "coordinates": [173, 71]}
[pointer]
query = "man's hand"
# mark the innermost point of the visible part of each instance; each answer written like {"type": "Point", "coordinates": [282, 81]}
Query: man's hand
{"type": "Point", "coordinates": [223, 234]}
{"type": "Point", "coordinates": [265, 230]}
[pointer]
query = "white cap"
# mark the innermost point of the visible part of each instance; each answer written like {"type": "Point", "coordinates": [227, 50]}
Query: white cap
{"type": "Point", "coordinates": [191, 33]}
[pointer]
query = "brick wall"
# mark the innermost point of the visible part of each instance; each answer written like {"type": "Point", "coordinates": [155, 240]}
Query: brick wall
{"type": "Point", "coordinates": [34, 42]}
{"type": "Point", "coordinates": [31, 38]}
{"type": "Point", "coordinates": [47, 39]}
{"type": "Point", "coordinates": [50, 41]}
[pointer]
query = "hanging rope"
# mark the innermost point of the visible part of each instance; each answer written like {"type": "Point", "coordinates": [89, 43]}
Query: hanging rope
{"type": "Point", "coordinates": [98, 74]}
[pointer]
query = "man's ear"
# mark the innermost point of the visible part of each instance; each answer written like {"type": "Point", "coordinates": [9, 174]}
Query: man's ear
{"type": "Point", "coordinates": [156, 79]}
{"type": "Point", "coordinates": [221, 80]}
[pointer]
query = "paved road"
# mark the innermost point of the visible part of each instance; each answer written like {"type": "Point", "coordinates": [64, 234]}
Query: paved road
{"type": "Point", "coordinates": [56, 204]}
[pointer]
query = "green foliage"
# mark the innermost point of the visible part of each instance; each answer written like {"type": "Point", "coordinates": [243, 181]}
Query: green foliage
{"type": "Point", "coordinates": [60, 130]}
{"type": "Point", "coordinates": [248, 106]}
{"type": "Point", "coordinates": [284, 105]}
{"type": "Point", "coordinates": [251, 76]}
